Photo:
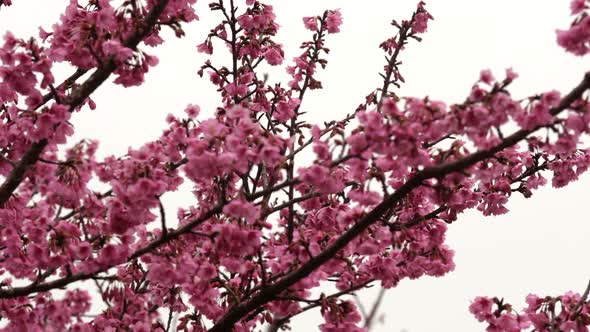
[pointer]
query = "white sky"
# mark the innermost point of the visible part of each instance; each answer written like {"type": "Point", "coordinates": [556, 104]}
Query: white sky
{"type": "Point", "coordinates": [540, 246]}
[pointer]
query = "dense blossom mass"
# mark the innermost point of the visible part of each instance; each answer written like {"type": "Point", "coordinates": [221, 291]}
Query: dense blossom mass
{"type": "Point", "coordinates": [264, 230]}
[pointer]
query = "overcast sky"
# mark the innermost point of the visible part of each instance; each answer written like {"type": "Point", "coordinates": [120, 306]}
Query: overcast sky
{"type": "Point", "coordinates": [540, 246]}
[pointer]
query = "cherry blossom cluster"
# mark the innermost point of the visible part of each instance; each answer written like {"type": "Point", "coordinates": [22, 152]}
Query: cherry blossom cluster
{"type": "Point", "coordinates": [89, 35]}
{"type": "Point", "coordinates": [304, 66]}
{"type": "Point", "coordinates": [567, 312]}
{"type": "Point", "coordinates": [576, 39]}
{"type": "Point", "coordinates": [264, 230]}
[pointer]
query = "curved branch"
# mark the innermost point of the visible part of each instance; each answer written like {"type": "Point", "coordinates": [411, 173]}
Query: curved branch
{"type": "Point", "coordinates": [267, 294]}
{"type": "Point", "coordinates": [18, 172]}
{"type": "Point", "coordinates": [371, 316]}
{"type": "Point", "coordinates": [280, 321]}
{"type": "Point", "coordinates": [65, 84]}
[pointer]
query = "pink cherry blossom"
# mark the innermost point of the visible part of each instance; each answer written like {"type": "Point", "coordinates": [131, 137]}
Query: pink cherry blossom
{"type": "Point", "coordinates": [286, 213]}
{"type": "Point", "coordinates": [334, 21]}
{"type": "Point", "coordinates": [273, 56]}
{"type": "Point", "coordinates": [311, 23]}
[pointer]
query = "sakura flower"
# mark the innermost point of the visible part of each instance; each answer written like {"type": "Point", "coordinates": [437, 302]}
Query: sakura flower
{"type": "Point", "coordinates": [273, 56]}
{"type": "Point", "coordinates": [242, 209]}
{"type": "Point", "coordinates": [486, 76]}
{"type": "Point", "coordinates": [311, 23]}
{"type": "Point", "coordinates": [205, 47]}
{"type": "Point", "coordinates": [334, 21]}
{"type": "Point", "coordinates": [577, 6]}
{"type": "Point", "coordinates": [192, 111]}
{"type": "Point", "coordinates": [420, 23]}
{"type": "Point", "coordinates": [481, 307]}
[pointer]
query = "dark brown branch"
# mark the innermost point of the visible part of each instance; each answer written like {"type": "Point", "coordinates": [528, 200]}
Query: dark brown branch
{"type": "Point", "coordinates": [187, 228]}
{"type": "Point", "coordinates": [65, 84]}
{"type": "Point", "coordinates": [399, 226]}
{"type": "Point", "coordinates": [279, 322]}
{"type": "Point", "coordinates": [162, 217]}
{"type": "Point", "coordinates": [577, 309]}
{"type": "Point", "coordinates": [177, 233]}
{"type": "Point", "coordinates": [290, 203]}
{"type": "Point", "coordinates": [18, 172]}
{"type": "Point", "coordinates": [428, 145]}
{"type": "Point", "coordinates": [267, 294]}
{"type": "Point", "coordinates": [165, 238]}
{"type": "Point", "coordinates": [169, 323]}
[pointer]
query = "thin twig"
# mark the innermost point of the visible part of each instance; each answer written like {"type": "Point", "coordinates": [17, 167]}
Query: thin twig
{"type": "Point", "coordinates": [374, 309]}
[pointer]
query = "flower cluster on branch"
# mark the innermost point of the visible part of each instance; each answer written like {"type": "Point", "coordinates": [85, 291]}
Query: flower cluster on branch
{"type": "Point", "coordinates": [264, 229]}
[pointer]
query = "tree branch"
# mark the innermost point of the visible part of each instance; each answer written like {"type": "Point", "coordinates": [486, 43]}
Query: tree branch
{"type": "Point", "coordinates": [313, 58]}
{"type": "Point", "coordinates": [169, 236]}
{"type": "Point", "coordinates": [577, 309]}
{"type": "Point", "coordinates": [279, 322]}
{"type": "Point", "coordinates": [371, 316]}
{"type": "Point", "coordinates": [267, 294]}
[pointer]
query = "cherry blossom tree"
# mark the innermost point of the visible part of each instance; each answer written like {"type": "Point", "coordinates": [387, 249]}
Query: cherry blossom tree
{"type": "Point", "coordinates": [266, 229]}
